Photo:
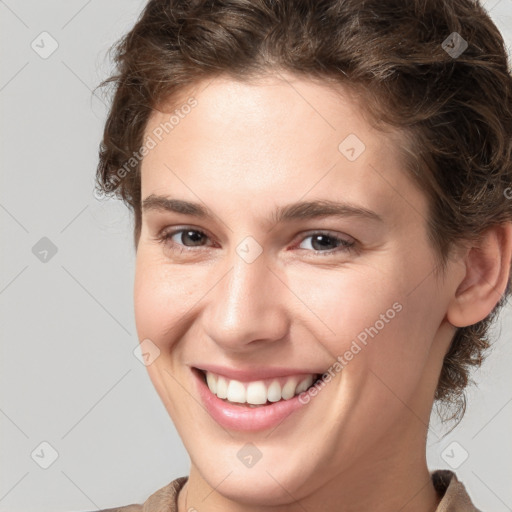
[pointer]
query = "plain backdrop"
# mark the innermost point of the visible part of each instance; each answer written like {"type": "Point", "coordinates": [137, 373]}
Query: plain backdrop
{"type": "Point", "coordinates": [81, 426]}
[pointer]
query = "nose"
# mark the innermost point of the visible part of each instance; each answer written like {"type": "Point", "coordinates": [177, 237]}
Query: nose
{"type": "Point", "coordinates": [247, 307]}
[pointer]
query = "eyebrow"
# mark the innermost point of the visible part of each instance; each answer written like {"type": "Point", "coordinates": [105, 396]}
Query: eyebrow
{"type": "Point", "coordinates": [290, 212]}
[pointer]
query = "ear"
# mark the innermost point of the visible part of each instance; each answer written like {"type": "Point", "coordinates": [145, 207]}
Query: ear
{"type": "Point", "coordinates": [487, 270]}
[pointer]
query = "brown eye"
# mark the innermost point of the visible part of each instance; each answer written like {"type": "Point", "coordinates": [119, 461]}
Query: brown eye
{"type": "Point", "coordinates": [183, 239]}
{"type": "Point", "coordinates": [196, 238]}
{"type": "Point", "coordinates": [327, 244]}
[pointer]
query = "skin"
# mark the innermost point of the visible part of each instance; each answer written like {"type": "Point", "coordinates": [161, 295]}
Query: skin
{"type": "Point", "coordinates": [360, 443]}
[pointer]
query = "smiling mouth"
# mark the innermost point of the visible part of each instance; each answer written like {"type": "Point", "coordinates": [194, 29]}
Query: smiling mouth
{"type": "Point", "coordinates": [258, 393]}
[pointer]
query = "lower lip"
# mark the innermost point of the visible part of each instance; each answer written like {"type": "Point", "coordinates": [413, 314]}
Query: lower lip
{"type": "Point", "coordinates": [236, 417]}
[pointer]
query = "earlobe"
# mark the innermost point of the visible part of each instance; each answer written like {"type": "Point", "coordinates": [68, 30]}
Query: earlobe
{"type": "Point", "coordinates": [487, 270]}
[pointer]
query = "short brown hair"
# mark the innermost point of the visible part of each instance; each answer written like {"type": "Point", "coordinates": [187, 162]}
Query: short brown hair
{"type": "Point", "coordinates": [407, 59]}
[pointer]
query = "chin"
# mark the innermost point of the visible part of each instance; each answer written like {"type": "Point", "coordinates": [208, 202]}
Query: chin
{"type": "Point", "coordinates": [259, 489]}
{"type": "Point", "coordinates": [267, 483]}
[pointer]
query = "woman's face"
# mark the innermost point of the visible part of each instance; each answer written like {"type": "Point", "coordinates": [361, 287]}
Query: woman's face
{"type": "Point", "coordinates": [304, 252]}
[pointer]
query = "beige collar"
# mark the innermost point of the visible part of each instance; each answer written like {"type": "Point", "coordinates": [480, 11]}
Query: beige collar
{"type": "Point", "coordinates": [454, 496]}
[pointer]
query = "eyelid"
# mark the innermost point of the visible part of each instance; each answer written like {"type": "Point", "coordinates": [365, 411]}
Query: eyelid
{"type": "Point", "coordinates": [329, 233]}
{"type": "Point", "coordinates": [345, 245]}
{"type": "Point", "coordinates": [166, 233]}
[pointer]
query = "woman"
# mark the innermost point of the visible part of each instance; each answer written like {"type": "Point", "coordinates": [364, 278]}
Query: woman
{"type": "Point", "coordinates": [323, 238]}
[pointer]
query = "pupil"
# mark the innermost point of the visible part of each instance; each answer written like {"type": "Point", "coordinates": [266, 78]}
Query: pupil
{"type": "Point", "coordinates": [324, 240]}
{"type": "Point", "coordinates": [194, 235]}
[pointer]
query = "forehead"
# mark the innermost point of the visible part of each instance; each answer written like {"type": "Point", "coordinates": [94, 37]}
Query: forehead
{"type": "Point", "coordinates": [274, 138]}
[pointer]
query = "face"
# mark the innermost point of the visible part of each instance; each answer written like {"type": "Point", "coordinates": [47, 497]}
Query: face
{"type": "Point", "coordinates": [304, 255]}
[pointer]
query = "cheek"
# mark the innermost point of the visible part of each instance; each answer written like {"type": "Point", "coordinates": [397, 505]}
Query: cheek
{"type": "Point", "coordinates": [344, 303]}
{"type": "Point", "coordinates": [165, 296]}
{"type": "Point", "coordinates": [374, 317]}
{"type": "Point", "coordinates": [160, 302]}
{"type": "Point", "coordinates": [146, 298]}
{"type": "Point", "coordinates": [151, 302]}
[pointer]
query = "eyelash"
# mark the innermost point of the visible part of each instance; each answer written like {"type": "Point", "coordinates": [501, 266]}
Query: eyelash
{"type": "Point", "coordinates": [344, 245]}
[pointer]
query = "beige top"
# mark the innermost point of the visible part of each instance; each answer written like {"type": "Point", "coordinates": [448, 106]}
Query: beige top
{"type": "Point", "coordinates": [452, 491]}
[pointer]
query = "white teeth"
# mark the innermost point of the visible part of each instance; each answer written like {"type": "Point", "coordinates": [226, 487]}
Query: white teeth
{"type": "Point", "coordinates": [236, 392]}
{"type": "Point", "coordinates": [222, 387]}
{"type": "Point", "coordinates": [289, 389]}
{"type": "Point", "coordinates": [258, 392]}
{"type": "Point", "coordinates": [274, 392]}
{"type": "Point", "coordinates": [212, 382]}
{"type": "Point", "coordinates": [305, 384]}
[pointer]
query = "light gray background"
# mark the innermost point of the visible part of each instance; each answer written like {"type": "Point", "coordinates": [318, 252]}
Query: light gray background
{"type": "Point", "coordinates": [69, 376]}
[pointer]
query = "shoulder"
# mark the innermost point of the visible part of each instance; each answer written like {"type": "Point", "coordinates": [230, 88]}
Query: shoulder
{"type": "Point", "coordinates": [164, 498]}
{"type": "Point", "coordinates": [454, 497]}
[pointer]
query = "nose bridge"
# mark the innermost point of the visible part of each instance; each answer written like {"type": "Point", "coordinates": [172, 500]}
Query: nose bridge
{"type": "Point", "coordinates": [247, 305]}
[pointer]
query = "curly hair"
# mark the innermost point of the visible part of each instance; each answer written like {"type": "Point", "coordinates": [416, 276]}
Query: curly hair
{"type": "Point", "coordinates": [437, 70]}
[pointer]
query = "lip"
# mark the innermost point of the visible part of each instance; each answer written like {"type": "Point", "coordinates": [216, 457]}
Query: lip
{"type": "Point", "coordinates": [239, 417]}
{"type": "Point", "coordinates": [256, 374]}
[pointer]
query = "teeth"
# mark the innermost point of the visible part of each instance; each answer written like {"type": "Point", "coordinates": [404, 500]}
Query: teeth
{"type": "Point", "coordinates": [258, 392]}
{"type": "Point", "coordinates": [273, 392]}
{"type": "Point", "coordinates": [305, 384]}
{"type": "Point", "coordinates": [212, 382]}
{"type": "Point", "coordinates": [236, 392]}
{"type": "Point", "coordinates": [289, 389]}
{"type": "Point", "coordinates": [222, 387]}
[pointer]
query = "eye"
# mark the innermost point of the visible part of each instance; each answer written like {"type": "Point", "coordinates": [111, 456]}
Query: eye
{"type": "Point", "coordinates": [320, 241]}
{"type": "Point", "coordinates": [183, 238]}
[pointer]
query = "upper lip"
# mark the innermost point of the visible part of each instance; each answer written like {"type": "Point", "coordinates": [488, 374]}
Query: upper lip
{"type": "Point", "coordinates": [253, 374]}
